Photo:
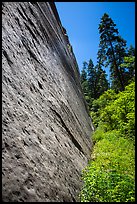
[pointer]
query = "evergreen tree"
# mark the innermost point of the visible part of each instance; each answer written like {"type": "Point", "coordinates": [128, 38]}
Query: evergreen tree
{"type": "Point", "coordinates": [131, 51]}
{"type": "Point", "coordinates": [129, 65]}
{"type": "Point", "coordinates": [120, 53]}
{"type": "Point", "coordinates": [102, 82]}
{"type": "Point", "coordinates": [91, 79]}
{"type": "Point", "coordinates": [83, 78]}
{"type": "Point", "coordinates": [112, 49]}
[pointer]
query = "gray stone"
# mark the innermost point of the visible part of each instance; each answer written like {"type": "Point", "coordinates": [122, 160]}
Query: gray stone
{"type": "Point", "coordinates": [46, 130]}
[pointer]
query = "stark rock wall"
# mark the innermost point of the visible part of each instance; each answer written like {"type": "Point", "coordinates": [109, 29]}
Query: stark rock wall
{"type": "Point", "coordinates": [45, 126]}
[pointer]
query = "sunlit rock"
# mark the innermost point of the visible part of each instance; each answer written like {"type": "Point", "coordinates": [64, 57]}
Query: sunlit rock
{"type": "Point", "coordinates": [46, 129]}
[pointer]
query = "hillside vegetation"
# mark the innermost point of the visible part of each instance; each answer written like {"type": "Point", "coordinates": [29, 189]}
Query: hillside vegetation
{"type": "Point", "coordinates": [110, 174]}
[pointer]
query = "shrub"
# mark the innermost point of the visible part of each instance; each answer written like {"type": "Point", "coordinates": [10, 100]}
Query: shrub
{"type": "Point", "coordinates": [109, 177]}
{"type": "Point", "coordinates": [100, 103]}
{"type": "Point", "coordinates": [116, 111]}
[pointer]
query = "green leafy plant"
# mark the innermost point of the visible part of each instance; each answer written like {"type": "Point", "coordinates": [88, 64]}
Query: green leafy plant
{"type": "Point", "coordinates": [109, 177]}
{"type": "Point", "coordinates": [116, 111]}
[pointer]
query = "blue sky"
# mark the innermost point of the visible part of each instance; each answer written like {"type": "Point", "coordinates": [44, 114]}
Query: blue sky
{"type": "Point", "coordinates": [81, 20]}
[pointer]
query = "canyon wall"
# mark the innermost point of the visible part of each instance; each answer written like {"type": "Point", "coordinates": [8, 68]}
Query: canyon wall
{"type": "Point", "coordinates": [46, 130]}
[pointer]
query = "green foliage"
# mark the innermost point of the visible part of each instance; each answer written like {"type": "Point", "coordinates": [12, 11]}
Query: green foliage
{"type": "Point", "coordinates": [113, 54]}
{"type": "Point", "coordinates": [93, 81]}
{"type": "Point", "coordinates": [116, 111]}
{"type": "Point", "coordinates": [99, 104]}
{"type": "Point", "coordinates": [83, 76]}
{"type": "Point", "coordinates": [129, 65]}
{"type": "Point", "coordinates": [131, 51]}
{"type": "Point", "coordinates": [83, 79]}
{"type": "Point", "coordinates": [109, 177]}
{"type": "Point", "coordinates": [120, 114]}
{"type": "Point", "coordinates": [102, 84]}
{"type": "Point", "coordinates": [112, 49]}
{"type": "Point", "coordinates": [85, 87]}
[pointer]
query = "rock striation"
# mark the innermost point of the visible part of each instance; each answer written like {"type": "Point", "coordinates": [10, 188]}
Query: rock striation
{"type": "Point", "coordinates": [45, 125]}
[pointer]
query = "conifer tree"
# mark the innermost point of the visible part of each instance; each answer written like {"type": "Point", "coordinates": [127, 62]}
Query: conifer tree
{"type": "Point", "coordinates": [131, 51]}
{"type": "Point", "coordinates": [91, 79]}
{"type": "Point", "coordinates": [83, 79]}
{"type": "Point", "coordinates": [112, 49]}
{"type": "Point", "coordinates": [83, 76]}
{"type": "Point", "coordinates": [102, 82]}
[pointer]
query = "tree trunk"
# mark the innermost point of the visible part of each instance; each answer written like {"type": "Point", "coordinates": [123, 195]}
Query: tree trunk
{"type": "Point", "coordinates": [117, 70]}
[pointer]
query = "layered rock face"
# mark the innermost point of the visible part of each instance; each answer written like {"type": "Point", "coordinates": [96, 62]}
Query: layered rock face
{"type": "Point", "coordinates": [45, 126]}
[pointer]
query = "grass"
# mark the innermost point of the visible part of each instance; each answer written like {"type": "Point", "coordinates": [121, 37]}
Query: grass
{"type": "Point", "coordinates": [110, 175]}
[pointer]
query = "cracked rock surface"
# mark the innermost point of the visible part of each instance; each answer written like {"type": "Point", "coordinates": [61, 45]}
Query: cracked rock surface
{"type": "Point", "coordinates": [45, 126]}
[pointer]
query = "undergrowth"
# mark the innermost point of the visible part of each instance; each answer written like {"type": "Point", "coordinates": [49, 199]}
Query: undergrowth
{"type": "Point", "coordinates": [110, 175]}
